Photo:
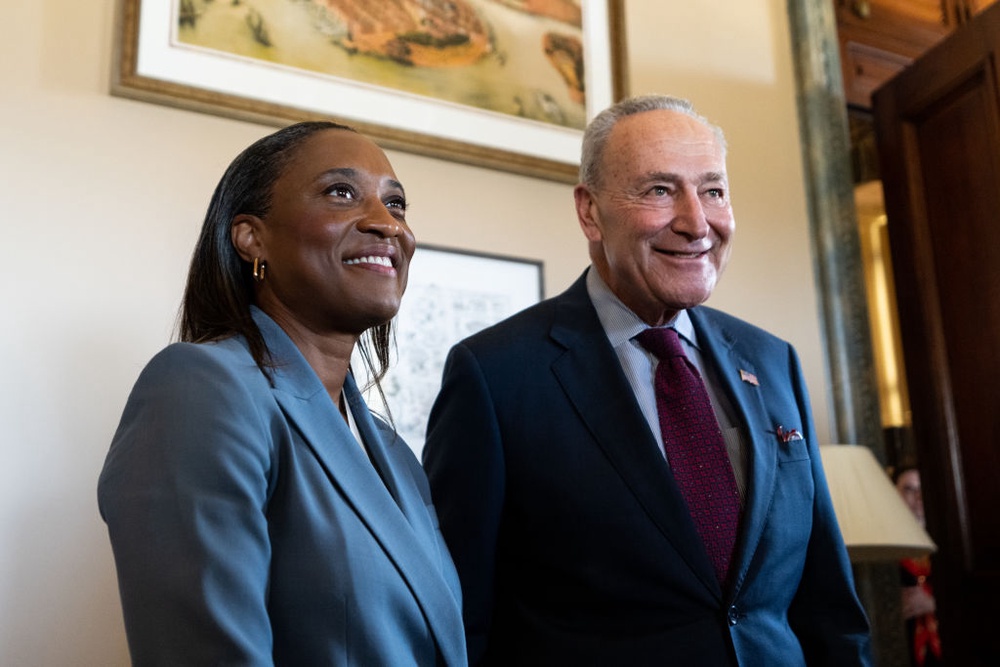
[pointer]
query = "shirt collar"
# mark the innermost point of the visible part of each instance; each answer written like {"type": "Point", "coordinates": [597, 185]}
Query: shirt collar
{"type": "Point", "coordinates": [620, 323]}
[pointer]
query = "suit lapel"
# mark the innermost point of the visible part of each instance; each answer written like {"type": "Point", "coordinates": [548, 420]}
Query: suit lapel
{"type": "Point", "coordinates": [305, 402]}
{"type": "Point", "coordinates": [405, 494]}
{"type": "Point", "coordinates": [613, 417]}
{"type": "Point", "coordinates": [721, 349]}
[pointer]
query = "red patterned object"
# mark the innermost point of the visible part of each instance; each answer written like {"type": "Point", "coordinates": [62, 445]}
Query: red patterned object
{"type": "Point", "coordinates": [926, 640]}
{"type": "Point", "coordinates": [694, 447]}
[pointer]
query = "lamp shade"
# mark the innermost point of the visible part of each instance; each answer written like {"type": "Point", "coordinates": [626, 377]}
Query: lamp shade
{"type": "Point", "coordinates": [875, 522]}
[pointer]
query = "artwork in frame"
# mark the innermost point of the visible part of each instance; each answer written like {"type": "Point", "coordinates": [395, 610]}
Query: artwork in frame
{"type": "Point", "coordinates": [450, 295]}
{"type": "Point", "coordinates": [505, 84]}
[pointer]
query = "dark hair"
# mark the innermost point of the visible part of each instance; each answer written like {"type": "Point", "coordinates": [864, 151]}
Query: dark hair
{"type": "Point", "coordinates": [220, 287]}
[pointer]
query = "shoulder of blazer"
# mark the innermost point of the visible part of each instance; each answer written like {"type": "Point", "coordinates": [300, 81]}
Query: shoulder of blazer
{"type": "Point", "coordinates": [230, 357]}
{"type": "Point", "coordinates": [204, 375]}
{"type": "Point", "coordinates": [735, 333]}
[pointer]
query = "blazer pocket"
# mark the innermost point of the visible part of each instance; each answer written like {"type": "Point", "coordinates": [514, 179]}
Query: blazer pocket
{"type": "Point", "coordinates": [790, 452]}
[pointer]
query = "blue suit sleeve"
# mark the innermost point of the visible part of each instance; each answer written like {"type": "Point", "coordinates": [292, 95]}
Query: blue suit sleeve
{"type": "Point", "coordinates": [463, 457]}
{"type": "Point", "coordinates": [184, 492]}
{"type": "Point", "coordinates": [826, 614]}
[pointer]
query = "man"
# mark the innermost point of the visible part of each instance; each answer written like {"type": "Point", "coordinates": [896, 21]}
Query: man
{"type": "Point", "coordinates": [563, 487]}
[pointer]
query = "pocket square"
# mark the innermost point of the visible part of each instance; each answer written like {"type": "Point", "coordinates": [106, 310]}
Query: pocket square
{"type": "Point", "coordinates": [789, 435]}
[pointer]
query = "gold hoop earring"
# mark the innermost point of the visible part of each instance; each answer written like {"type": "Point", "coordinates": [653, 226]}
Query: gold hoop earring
{"type": "Point", "coordinates": [259, 267]}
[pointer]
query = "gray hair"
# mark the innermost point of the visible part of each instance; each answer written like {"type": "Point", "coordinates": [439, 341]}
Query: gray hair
{"type": "Point", "coordinates": [595, 137]}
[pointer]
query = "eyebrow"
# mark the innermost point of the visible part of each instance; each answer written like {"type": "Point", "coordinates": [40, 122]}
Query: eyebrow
{"type": "Point", "coordinates": [707, 177]}
{"type": "Point", "coordinates": [351, 172]}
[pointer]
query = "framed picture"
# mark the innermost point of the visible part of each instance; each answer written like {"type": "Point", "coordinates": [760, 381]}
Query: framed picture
{"type": "Point", "coordinates": [450, 294]}
{"type": "Point", "coordinates": [506, 84]}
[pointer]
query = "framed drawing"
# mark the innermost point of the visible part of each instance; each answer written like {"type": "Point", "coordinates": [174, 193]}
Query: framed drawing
{"type": "Point", "coordinates": [451, 294]}
{"type": "Point", "coordinates": [506, 84]}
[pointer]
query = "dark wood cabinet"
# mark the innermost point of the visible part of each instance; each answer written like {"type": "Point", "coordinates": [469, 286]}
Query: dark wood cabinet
{"type": "Point", "coordinates": [879, 38]}
{"type": "Point", "coordinates": [973, 7]}
{"type": "Point", "coordinates": [938, 129]}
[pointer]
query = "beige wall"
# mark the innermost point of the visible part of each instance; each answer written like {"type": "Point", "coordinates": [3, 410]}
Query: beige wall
{"type": "Point", "coordinates": [101, 199]}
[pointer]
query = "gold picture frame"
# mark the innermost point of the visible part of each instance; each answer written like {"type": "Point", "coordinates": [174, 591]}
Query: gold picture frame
{"type": "Point", "coordinates": [151, 63]}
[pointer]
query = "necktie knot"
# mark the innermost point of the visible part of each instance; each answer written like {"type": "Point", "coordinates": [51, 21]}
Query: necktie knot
{"type": "Point", "coordinates": [662, 342]}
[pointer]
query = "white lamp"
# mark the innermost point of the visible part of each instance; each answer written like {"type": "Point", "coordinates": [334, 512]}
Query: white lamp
{"type": "Point", "coordinates": [875, 522]}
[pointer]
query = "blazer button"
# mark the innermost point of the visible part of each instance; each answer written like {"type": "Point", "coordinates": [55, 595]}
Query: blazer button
{"type": "Point", "coordinates": [733, 616]}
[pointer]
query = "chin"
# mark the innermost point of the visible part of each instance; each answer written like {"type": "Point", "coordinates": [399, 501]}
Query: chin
{"type": "Point", "coordinates": [699, 294]}
{"type": "Point", "coordinates": [689, 298]}
{"type": "Point", "coordinates": [386, 313]}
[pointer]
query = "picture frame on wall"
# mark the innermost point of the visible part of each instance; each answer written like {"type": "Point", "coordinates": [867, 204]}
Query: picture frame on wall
{"type": "Point", "coordinates": [503, 84]}
{"type": "Point", "coordinates": [450, 295]}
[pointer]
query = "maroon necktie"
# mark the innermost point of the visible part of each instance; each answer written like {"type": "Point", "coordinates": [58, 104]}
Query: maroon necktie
{"type": "Point", "coordinates": [694, 446]}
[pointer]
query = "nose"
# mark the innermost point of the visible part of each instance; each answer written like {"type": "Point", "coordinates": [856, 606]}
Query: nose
{"type": "Point", "coordinates": [378, 220]}
{"type": "Point", "coordinates": [689, 215]}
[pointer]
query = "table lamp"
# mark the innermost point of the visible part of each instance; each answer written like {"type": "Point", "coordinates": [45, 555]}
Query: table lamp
{"type": "Point", "coordinates": [875, 522]}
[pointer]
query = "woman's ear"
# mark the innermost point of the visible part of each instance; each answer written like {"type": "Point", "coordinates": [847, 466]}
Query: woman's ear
{"type": "Point", "coordinates": [244, 233]}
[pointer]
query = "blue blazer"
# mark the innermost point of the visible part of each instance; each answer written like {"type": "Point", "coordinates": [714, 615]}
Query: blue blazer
{"type": "Point", "coordinates": [249, 526]}
{"type": "Point", "coordinates": [572, 541]}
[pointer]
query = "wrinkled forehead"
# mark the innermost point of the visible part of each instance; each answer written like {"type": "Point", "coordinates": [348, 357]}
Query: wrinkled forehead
{"type": "Point", "coordinates": [664, 141]}
{"type": "Point", "coordinates": [664, 125]}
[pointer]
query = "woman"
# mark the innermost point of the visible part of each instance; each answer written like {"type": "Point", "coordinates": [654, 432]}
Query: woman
{"type": "Point", "coordinates": [918, 604]}
{"type": "Point", "coordinates": [258, 512]}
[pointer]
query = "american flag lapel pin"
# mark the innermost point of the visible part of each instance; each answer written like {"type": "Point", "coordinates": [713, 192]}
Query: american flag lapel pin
{"type": "Point", "coordinates": [749, 378]}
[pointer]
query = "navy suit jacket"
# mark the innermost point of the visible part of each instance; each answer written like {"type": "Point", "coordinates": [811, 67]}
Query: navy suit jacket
{"type": "Point", "coordinates": [249, 526]}
{"type": "Point", "coordinates": [572, 541]}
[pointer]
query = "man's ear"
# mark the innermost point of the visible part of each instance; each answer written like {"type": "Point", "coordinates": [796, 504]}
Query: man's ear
{"type": "Point", "coordinates": [587, 213]}
{"type": "Point", "coordinates": [245, 236]}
